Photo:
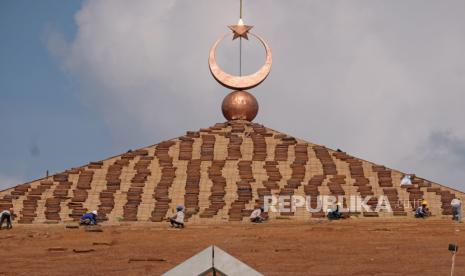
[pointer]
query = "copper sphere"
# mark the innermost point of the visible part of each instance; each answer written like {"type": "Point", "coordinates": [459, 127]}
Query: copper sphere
{"type": "Point", "coordinates": [239, 105]}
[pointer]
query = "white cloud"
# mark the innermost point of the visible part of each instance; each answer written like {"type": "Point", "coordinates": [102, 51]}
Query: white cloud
{"type": "Point", "coordinates": [376, 79]}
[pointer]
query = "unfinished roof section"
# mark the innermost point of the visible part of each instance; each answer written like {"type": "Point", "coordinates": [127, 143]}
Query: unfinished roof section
{"type": "Point", "coordinates": [219, 174]}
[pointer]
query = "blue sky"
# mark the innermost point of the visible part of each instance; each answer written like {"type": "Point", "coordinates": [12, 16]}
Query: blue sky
{"type": "Point", "coordinates": [43, 123]}
{"type": "Point", "coordinates": [84, 80]}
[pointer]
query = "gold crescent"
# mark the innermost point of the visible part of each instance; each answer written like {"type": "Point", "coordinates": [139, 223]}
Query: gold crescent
{"type": "Point", "coordinates": [240, 82]}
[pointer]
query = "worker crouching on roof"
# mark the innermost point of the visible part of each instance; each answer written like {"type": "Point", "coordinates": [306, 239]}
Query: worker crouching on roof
{"type": "Point", "coordinates": [89, 218]}
{"type": "Point", "coordinates": [256, 216]}
{"type": "Point", "coordinates": [456, 209]}
{"type": "Point", "coordinates": [336, 214]}
{"type": "Point", "coordinates": [6, 215]}
{"type": "Point", "coordinates": [422, 211]}
{"type": "Point", "coordinates": [178, 219]}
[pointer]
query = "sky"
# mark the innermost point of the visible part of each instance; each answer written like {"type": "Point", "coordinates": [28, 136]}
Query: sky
{"type": "Point", "coordinates": [84, 80]}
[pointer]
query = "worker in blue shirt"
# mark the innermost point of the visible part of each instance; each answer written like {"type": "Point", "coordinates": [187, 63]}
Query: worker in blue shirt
{"type": "Point", "coordinates": [89, 218]}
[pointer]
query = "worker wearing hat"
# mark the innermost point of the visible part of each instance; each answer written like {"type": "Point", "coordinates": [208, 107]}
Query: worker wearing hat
{"type": "Point", "coordinates": [6, 215]}
{"type": "Point", "coordinates": [89, 218]}
{"type": "Point", "coordinates": [336, 214]}
{"type": "Point", "coordinates": [422, 211]}
{"type": "Point", "coordinates": [178, 219]}
{"type": "Point", "coordinates": [256, 215]}
{"type": "Point", "coordinates": [456, 204]}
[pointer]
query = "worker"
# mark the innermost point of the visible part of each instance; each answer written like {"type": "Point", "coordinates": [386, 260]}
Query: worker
{"type": "Point", "coordinates": [89, 218]}
{"type": "Point", "coordinates": [6, 215]}
{"type": "Point", "coordinates": [422, 211]}
{"type": "Point", "coordinates": [329, 212]}
{"type": "Point", "coordinates": [256, 215]}
{"type": "Point", "coordinates": [336, 214]}
{"type": "Point", "coordinates": [456, 209]}
{"type": "Point", "coordinates": [425, 204]}
{"type": "Point", "coordinates": [178, 219]}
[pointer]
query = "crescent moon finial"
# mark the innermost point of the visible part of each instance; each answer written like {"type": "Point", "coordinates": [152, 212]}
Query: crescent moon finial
{"type": "Point", "coordinates": [240, 82]}
{"type": "Point", "coordinates": [240, 105]}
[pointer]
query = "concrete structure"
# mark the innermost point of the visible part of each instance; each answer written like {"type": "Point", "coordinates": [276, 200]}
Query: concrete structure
{"type": "Point", "coordinates": [212, 260]}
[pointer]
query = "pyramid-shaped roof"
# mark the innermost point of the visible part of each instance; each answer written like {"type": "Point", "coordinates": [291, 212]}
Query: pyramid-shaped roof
{"type": "Point", "coordinates": [219, 174]}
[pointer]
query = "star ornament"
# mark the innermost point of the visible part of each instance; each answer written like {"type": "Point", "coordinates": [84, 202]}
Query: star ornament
{"type": "Point", "coordinates": [240, 30]}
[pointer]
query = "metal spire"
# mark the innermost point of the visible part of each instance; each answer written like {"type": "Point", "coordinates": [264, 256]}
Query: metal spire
{"type": "Point", "coordinates": [240, 40]}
